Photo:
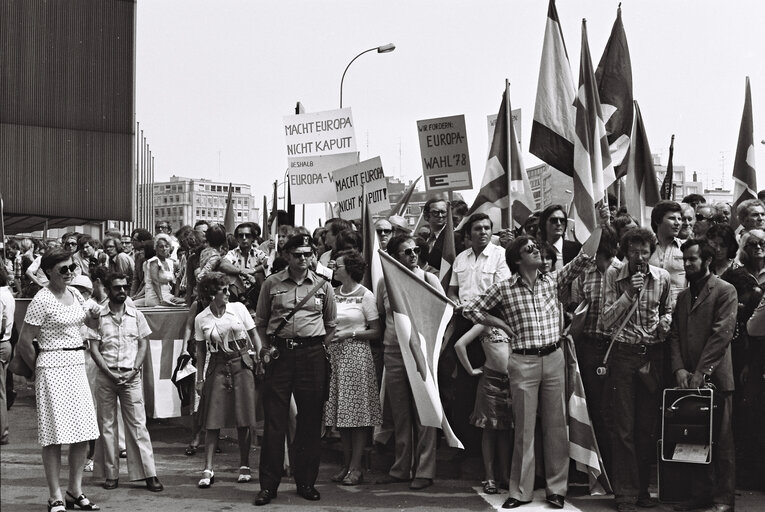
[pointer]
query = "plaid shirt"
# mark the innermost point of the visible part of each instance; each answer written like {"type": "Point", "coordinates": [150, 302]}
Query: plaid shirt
{"type": "Point", "coordinates": [589, 287]}
{"type": "Point", "coordinates": [656, 302]}
{"type": "Point", "coordinates": [532, 312]}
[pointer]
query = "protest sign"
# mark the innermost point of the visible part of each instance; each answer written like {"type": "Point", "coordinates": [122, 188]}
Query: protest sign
{"type": "Point", "coordinates": [349, 182]}
{"type": "Point", "coordinates": [444, 150]}
{"type": "Point", "coordinates": [515, 114]}
{"type": "Point", "coordinates": [320, 133]}
{"type": "Point", "coordinates": [311, 179]}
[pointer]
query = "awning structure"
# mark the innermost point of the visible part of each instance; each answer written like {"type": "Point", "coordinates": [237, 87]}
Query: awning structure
{"type": "Point", "coordinates": [27, 223]}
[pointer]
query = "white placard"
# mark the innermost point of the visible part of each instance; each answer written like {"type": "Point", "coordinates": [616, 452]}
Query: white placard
{"type": "Point", "coordinates": [444, 150]}
{"type": "Point", "coordinates": [319, 133]}
{"type": "Point", "coordinates": [311, 179]}
{"type": "Point", "coordinates": [349, 182]}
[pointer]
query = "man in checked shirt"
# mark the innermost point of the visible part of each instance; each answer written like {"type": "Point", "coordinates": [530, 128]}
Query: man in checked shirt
{"type": "Point", "coordinates": [528, 309]}
{"type": "Point", "coordinates": [633, 407]}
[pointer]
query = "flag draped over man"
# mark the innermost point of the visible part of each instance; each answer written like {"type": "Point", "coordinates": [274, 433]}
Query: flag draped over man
{"type": "Point", "coordinates": [419, 337]}
{"type": "Point", "coordinates": [552, 132]}
{"type": "Point", "coordinates": [593, 171]}
{"type": "Point", "coordinates": [642, 190]}
{"type": "Point", "coordinates": [744, 176]}
{"type": "Point", "coordinates": [505, 186]}
{"type": "Point", "coordinates": [614, 76]}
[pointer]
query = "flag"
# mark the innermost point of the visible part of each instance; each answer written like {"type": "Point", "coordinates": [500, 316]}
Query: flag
{"type": "Point", "coordinates": [290, 207]}
{"type": "Point", "coordinates": [448, 252]}
{"type": "Point", "coordinates": [264, 230]}
{"type": "Point", "coordinates": [744, 176]}
{"type": "Point", "coordinates": [642, 188]}
{"type": "Point", "coordinates": [400, 207]}
{"type": "Point", "coordinates": [614, 76]}
{"type": "Point", "coordinates": [419, 337]}
{"type": "Point", "coordinates": [228, 220]}
{"type": "Point", "coordinates": [582, 445]}
{"type": "Point", "coordinates": [505, 182]}
{"type": "Point", "coordinates": [552, 132]}
{"type": "Point", "coordinates": [666, 185]}
{"type": "Point", "coordinates": [592, 158]}
{"type": "Point", "coordinates": [370, 247]}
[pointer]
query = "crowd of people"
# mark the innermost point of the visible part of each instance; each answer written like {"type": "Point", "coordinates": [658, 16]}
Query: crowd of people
{"type": "Point", "coordinates": [286, 324]}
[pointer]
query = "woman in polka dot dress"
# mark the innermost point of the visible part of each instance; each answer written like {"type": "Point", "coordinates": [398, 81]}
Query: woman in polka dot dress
{"type": "Point", "coordinates": [65, 411]}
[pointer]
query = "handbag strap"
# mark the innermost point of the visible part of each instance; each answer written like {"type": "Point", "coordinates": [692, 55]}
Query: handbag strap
{"type": "Point", "coordinates": [301, 303]}
{"type": "Point", "coordinates": [621, 327]}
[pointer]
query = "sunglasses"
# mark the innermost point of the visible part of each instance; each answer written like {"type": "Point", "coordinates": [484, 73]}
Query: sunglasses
{"type": "Point", "coordinates": [531, 248]}
{"type": "Point", "coordinates": [72, 244]}
{"type": "Point", "coordinates": [67, 269]}
{"type": "Point", "coordinates": [556, 220]}
{"type": "Point", "coordinates": [384, 231]}
{"type": "Point", "coordinates": [753, 244]}
{"type": "Point", "coordinates": [412, 251]}
{"type": "Point", "coordinates": [118, 287]}
{"type": "Point", "coordinates": [301, 254]}
{"type": "Point", "coordinates": [245, 235]}
{"type": "Point", "coordinates": [223, 289]}
{"type": "Point", "coordinates": [701, 218]}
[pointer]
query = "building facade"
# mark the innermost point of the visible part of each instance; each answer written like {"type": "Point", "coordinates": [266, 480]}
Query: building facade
{"type": "Point", "coordinates": [182, 201]}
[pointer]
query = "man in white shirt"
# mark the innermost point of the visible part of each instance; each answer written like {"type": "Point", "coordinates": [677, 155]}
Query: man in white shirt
{"type": "Point", "coordinates": [666, 220]}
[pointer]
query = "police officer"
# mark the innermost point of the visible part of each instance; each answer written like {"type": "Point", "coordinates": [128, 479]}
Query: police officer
{"type": "Point", "coordinates": [300, 369]}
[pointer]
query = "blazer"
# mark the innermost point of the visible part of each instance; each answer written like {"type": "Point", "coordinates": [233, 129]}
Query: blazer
{"type": "Point", "coordinates": [434, 257]}
{"type": "Point", "coordinates": [701, 333]}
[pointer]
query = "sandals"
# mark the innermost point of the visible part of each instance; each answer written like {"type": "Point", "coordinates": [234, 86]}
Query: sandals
{"type": "Point", "coordinates": [81, 502]}
{"type": "Point", "coordinates": [489, 486]}
{"type": "Point", "coordinates": [340, 475]}
{"type": "Point", "coordinates": [190, 450]}
{"type": "Point", "coordinates": [354, 477]}
{"type": "Point", "coordinates": [207, 480]}
{"type": "Point", "coordinates": [56, 506]}
{"type": "Point", "coordinates": [244, 475]}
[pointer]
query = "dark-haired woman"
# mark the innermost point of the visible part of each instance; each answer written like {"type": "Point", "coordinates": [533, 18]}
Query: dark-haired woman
{"type": "Point", "coordinates": [353, 406]}
{"type": "Point", "coordinates": [722, 238]}
{"type": "Point", "coordinates": [65, 410]}
{"type": "Point", "coordinates": [225, 330]}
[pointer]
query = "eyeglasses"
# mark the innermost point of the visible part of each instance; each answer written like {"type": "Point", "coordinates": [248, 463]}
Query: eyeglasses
{"type": "Point", "coordinates": [755, 244]}
{"type": "Point", "coordinates": [67, 269]}
{"type": "Point", "coordinates": [701, 218]}
{"type": "Point", "coordinates": [72, 244]}
{"type": "Point", "coordinates": [384, 231]}
{"type": "Point", "coordinates": [531, 248]}
{"type": "Point", "coordinates": [556, 220]}
{"type": "Point", "coordinates": [118, 287]}
{"type": "Point", "coordinates": [412, 251]}
{"type": "Point", "coordinates": [438, 213]}
{"type": "Point", "coordinates": [245, 235]}
{"type": "Point", "coordinates": [223, 289]}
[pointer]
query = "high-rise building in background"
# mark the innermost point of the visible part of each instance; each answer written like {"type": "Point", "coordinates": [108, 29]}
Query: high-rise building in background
{"type": "Point", "coordinates": [183, 201]}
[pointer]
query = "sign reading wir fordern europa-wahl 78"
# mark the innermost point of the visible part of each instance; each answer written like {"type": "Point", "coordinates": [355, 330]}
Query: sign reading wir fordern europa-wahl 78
{"type": "Point", "coordinates": [444, 150]}
{"type": "Point", "coordinates": [317, 144]}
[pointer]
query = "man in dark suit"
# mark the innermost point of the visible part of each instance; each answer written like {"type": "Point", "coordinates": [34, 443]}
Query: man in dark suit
{"type": "Point", "coordinates": [435, 211]}
{"type": "Point", "coordinates": [553, 223]}
{"type": "Point", "coordinates": [702, 329]}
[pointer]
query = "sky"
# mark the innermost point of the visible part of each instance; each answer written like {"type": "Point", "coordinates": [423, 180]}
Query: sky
{"type": "Point", "coordinates": [214, 79]}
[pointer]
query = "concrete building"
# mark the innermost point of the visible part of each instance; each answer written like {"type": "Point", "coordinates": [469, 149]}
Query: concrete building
{"type": "Point", "coordinates": [183, 201]}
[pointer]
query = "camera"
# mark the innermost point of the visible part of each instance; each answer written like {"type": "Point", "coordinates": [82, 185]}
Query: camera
{"type": "Point", "coordinates": [601, 371]}
{"type": "Point", "coordinates": [269, 353]}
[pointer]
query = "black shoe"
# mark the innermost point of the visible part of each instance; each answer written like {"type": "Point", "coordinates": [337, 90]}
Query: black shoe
{"type": "Point", "coordinates": [556, 500]}
{"type": "Point", "coordinates": [308, 492]}
{"type": "Point", "coordinates": [646, 502]}
{"type": "Point", "coordinates": [514, 503]}
{"type": "Point", "coordinates": [264, 497]}
{"type": "Point", "coordinates": [154, 485]}
{"type": "Point", "coordinates": [110, 484]}
{"type": "Point", "coordinates": [693, 504]}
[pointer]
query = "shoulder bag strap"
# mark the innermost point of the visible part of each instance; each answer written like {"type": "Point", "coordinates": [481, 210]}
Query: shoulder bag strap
{"type": "Point", "coordinates": [300, 304]}
{"type": "Point", "coordinates": [621, 327]}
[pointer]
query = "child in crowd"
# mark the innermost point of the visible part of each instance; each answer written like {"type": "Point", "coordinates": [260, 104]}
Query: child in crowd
{"type": "Point", "coordinates": [492, 411]}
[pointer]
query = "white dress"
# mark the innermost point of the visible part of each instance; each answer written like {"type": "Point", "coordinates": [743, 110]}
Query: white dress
{"type": "Point", "coordinates": [65, 411]}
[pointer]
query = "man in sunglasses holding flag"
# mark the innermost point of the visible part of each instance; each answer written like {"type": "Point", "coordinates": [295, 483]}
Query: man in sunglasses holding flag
{"type": "Point", "coordinates": [528, 310]}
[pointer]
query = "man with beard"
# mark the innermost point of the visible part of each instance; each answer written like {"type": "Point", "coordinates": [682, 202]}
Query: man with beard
{"type": "Point", "coordinates": [702, 329]}
{"type": "Point", "coordinates": [119, 352]}
{"type": "Point", "coordinates": [666, 220]}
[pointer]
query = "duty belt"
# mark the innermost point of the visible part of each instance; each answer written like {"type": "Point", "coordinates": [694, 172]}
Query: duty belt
{"type": "Point", "coordinates": [296, 343]}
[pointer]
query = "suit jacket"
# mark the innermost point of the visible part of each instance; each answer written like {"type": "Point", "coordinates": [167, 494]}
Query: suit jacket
{"type": "Point", "coordinates": [434, 257]}
{"type": "Point", "coordinates": [701, 333]}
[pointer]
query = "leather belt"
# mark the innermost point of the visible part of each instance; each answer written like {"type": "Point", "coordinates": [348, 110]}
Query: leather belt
{"type": "Point", "coordinates": [296, 343]}
{"type": "Point", "coordinates": [541, 351]}
{"type": "Point", "coordinates": [81, 347]}
{"type": "Point", "coordinates": [120, 369]}
{"type": "Point", "coordinates": [637, 348]}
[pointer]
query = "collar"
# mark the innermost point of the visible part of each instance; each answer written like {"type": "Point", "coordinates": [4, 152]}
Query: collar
{"type": "Point", "coordinates": [675, 241]}
{"type": "Point", "coordinates": [284, 275]}
{"type": "Point", "coordinates": [129, 310]}
{"type": "Point", "coordinates": [697, 287]}
{"type": "Point", "coordinates": [559, 245]}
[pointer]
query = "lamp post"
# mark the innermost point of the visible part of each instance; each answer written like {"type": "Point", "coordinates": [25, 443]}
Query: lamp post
{"type": "Point", "coordinates": [386, 48]}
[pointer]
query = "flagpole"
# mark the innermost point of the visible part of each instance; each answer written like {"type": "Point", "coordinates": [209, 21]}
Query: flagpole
{"type": "Point", "coordinates": [507, 213]}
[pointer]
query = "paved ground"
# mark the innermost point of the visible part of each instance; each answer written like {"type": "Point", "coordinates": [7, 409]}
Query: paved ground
{"type": "Point", "coordinates": [22, 484]}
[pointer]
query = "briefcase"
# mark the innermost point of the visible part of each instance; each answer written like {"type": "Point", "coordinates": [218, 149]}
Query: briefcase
{"type": "Point", "coordinates": [687, 425]}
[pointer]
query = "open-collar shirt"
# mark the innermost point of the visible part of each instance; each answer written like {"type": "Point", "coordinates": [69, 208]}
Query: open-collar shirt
{"type": "Point", "coordinates": [473, 275]}
{"type": "Point", "coordinates": [119, 336]}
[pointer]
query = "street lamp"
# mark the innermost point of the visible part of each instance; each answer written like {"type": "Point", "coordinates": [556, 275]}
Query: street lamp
{"type": "Point", "coordinates": [386, 48]}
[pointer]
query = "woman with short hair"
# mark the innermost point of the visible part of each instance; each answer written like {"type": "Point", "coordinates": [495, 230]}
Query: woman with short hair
{"type": "Point", "coordinates": [159, 272]}
{"type": "Point", "coordinates": [65, 410]}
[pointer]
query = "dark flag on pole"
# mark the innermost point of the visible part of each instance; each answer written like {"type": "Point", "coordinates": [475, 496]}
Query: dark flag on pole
{"type": "Point", "coordinates": [744, 176]}
{"type": "Point", "coordinates": [666, 185]}
{"type": "Point", "coordinates": [614, 77]}
{"type": "Point", "coordinates": [228, 219]}
{"type": "Point", "coordinates": [642, 188]}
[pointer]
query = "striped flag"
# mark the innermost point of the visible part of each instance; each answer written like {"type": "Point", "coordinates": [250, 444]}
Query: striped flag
{"type": "Point", "coordinates": [400, 207]}
{"type": "Point", "coordinates": [642, 188]}
{"type": "Point", "coordinates": [228, 219]}
{"type": "Point", "coordinates": [592, 158]}
{"type": "Point", "coordinates": [614, 76]}
{"type": "Point", "coordinates": [448, 251]}
{"type": "Point", "coordinates": [370, 247]}
{"type": "Point", "coordinates": [420, 337]}
{"type": "Point", "coordinates": [552, 132]}
{"type": "Point", "coordinates": [666, 184]}
{"type": "Point", "coordinates": [744, 176]}
{"type": "Point", "coordinates": [505, 182]}
{"type": "Point", "coordinates": [582, 445]}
